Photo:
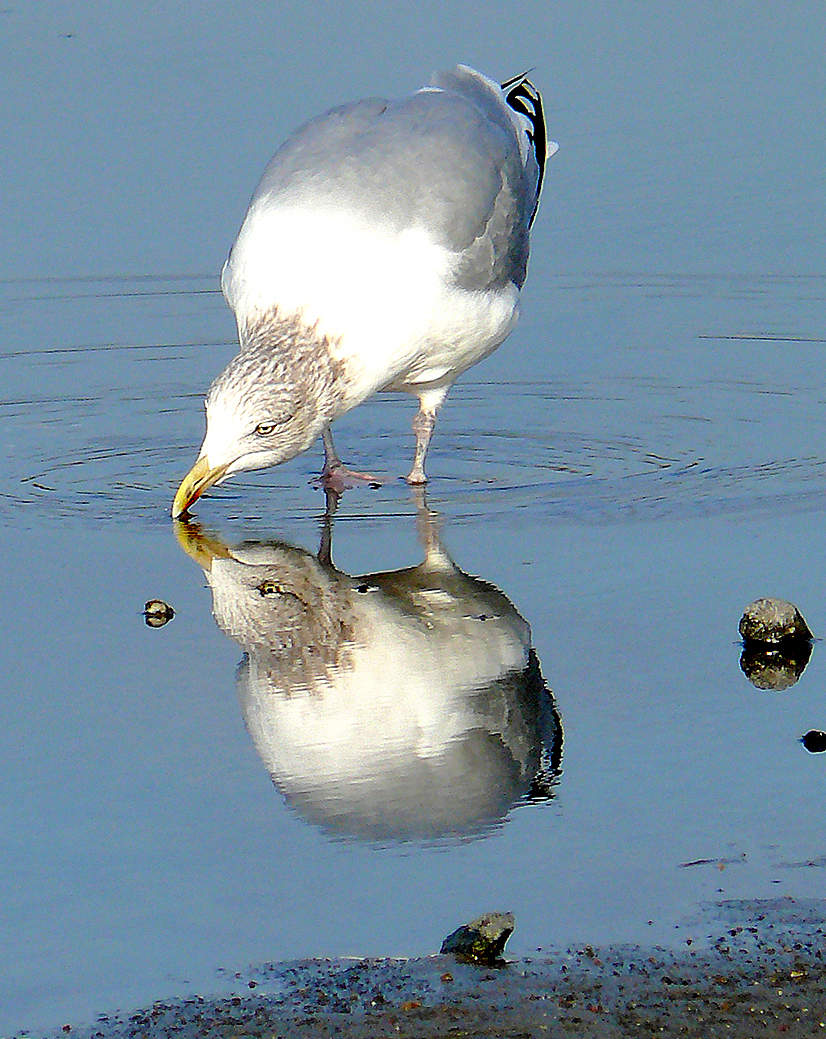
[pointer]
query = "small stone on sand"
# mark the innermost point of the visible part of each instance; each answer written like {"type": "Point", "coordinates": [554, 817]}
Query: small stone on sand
{"type": "Point", "coordinates": [482, 940]}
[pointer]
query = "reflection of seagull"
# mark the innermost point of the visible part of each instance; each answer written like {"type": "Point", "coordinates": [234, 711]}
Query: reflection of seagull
{"type": "Point", "coordinates": [404, 705]}
{"type": "Point", "coordinates": [384, 248]}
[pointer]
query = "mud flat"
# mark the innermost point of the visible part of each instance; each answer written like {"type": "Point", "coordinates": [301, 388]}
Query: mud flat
{"type": "Point", "coordinates": [759, 971]}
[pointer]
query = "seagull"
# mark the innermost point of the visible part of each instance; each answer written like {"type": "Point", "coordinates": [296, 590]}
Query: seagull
{"type": "Point", "coordinates": [384, 249]}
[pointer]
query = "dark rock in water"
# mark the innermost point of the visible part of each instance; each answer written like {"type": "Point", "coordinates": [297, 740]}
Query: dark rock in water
{"type": "Point", "coordinates": [775, 665]}
{"type": "Point", "coordinates": [482, 940]}
{"type": "Point", "coordinates": [773, 620]}
{"type": "Point", "coordinates": [777, 644]}
{"type": "Point", "coordinates": [814, 741]}
{"type": "Point", "coordinates": [157, 613]}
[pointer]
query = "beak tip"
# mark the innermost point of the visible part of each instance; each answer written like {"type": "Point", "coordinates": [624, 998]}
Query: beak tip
{"type": "Point", "coordinates": [179, 508]}
{"type": "Point", "coordinates": [180, 504]}
{"type": "Point", "coordinates": [197, 480]}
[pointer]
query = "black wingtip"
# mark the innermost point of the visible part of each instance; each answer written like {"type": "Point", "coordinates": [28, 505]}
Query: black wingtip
{"type": "Point", "coordinates": [523, 97]}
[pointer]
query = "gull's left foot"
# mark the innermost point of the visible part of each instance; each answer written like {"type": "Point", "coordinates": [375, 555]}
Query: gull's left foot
{"type": "Point", "coordinates": [338, 478]}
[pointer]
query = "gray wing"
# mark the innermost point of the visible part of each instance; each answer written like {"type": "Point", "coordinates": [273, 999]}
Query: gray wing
{"type": "Point", "coordinates": [446, 160]}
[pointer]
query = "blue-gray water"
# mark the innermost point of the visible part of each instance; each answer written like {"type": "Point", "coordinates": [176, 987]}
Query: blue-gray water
{"type": "Point", "coordinates": [642, 458]}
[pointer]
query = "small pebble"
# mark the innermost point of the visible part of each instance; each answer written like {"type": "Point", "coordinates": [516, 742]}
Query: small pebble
{"type": "Point", "coordinates": [482, 940]}
{"type": "Point", "coordinates": [773, 620]}
{"type": "Point", "coordinates": [157, 613]}
{"type": "Point", "coordinates": [814, 741]}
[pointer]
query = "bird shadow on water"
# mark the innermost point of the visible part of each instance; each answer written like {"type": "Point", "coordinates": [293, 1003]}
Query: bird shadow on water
{"type": "Point", "coordinates": [403, 706]}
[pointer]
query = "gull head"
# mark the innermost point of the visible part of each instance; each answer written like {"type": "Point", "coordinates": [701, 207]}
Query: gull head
{"type": "Point", "coordinates": [267, 406]}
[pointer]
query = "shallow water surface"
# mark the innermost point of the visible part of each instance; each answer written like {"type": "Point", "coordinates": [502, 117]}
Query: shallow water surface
{"type": "Point", "coordinates": [521, 691]}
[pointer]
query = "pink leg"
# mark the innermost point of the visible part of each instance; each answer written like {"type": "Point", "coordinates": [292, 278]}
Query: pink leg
{"type": "Point", "coordinates": [423, 426]}
{"type": "Point", "coordinates": [336, 477]}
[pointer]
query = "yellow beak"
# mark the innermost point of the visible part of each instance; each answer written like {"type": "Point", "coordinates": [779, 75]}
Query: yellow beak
{"type": "Point", "coordinates": [199, 479]}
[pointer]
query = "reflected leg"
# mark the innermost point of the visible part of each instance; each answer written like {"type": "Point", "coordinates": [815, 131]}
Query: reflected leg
{"type": "Point", "coordinates": [325, 548]}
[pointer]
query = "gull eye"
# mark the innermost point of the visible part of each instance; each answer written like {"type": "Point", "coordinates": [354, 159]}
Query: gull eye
{"type": "Point", "coordinates": [273, 423]}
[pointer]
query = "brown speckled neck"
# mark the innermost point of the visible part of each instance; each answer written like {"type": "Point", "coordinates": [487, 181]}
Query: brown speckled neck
{"type": "Point", "coordinates": [276, 343]}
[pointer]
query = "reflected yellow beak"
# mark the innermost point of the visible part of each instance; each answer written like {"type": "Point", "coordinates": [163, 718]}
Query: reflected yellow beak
{"type": "Point", "coordinates": [202, 547]}
{"type": "Point", "coordinates": [199, 479]}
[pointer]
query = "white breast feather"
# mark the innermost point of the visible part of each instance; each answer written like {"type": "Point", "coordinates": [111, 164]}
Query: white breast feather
{"type": "Point", "coordinates": [386, 300]}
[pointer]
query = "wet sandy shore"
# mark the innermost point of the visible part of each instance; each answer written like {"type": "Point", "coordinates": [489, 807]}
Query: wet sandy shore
{"type": "Point", "coordinates": [760, 972]}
